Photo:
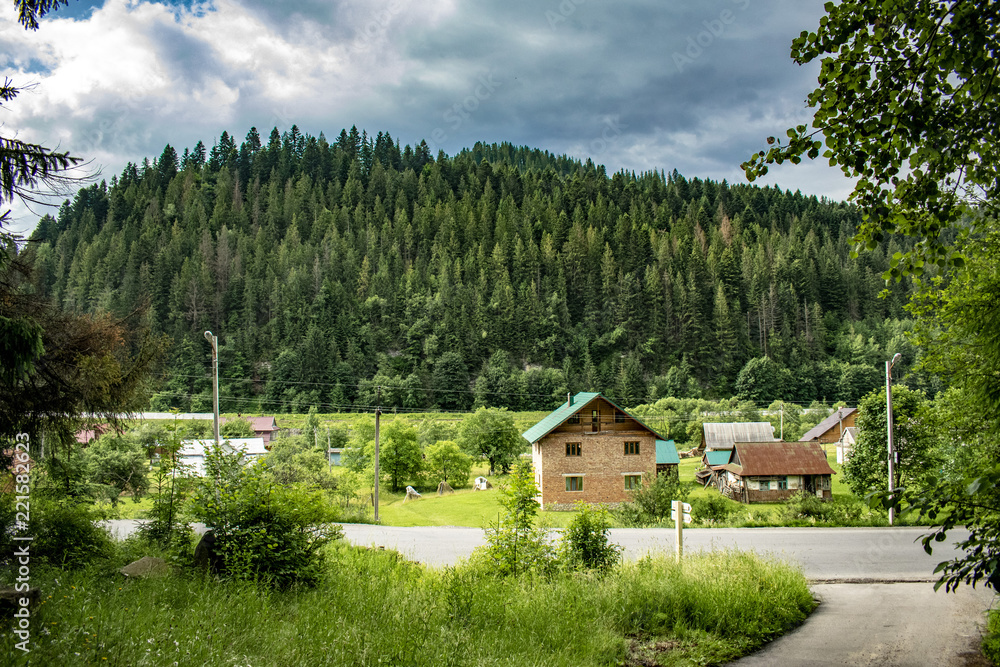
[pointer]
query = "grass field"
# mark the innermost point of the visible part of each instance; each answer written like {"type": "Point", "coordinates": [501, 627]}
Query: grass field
{"type": "Point", "coordinates": [374, 608]}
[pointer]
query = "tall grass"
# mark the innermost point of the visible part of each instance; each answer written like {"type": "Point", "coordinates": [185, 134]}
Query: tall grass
{"type": "Point", "coordinates": [375, 608]}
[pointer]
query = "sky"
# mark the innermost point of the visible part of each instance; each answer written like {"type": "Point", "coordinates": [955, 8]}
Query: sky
{"type": "Point", "coordinates": [635, 85]}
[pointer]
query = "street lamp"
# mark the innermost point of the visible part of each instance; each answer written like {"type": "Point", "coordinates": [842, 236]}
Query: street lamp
{"type": "Point", "coordinates": [888, 419]}
{"type": "Point", "coordinates": [214, 340]}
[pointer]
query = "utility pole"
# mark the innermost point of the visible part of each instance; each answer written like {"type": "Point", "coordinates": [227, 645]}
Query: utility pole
{"type": "Point", "coordinates": [781, 411]}
{"type": "Point", "coordinates": [378, 413]}
{"type": "Point", "coordinates": [214, 340]}
{"type": "Point", "coordinates": [888, 420]}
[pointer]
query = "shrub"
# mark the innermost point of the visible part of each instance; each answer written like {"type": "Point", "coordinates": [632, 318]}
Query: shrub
{"type": "Point", "coordinates": [514, 544]}
{"type": "Point", "coordinates": [585, 544]}
{"type": "Point", "coordinates": [264, 531]}
{"type": "Point", "coordinates": [651, 503]}
{"type": "Point", "coordinates": [65, 533]}
{"type": "Point", "coordinates": [713, 509]}
{"type": "Point", "coordinates": [991, 643]}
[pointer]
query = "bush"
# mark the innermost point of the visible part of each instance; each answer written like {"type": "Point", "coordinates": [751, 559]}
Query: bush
{"type": "Point", "coordinates": [651, 503]}
{"type": "Point", "coordinates": [65, 533]}
{"type": "Point", "coordinates": [991, 643]}
{"type": "Point", "coordinates": [514, 544]}
{"type": "Point", "coordinates": [585, 545]}
{"type": "Point", "coordinates": [713, 509]}
{"type": "Point", "coordinates": [264, 531]}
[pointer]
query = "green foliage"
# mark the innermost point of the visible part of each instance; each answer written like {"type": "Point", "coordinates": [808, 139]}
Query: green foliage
{"type": "Point", "coordinates": [447, 462]}
{"type": "Point", "coordinates": [866, 469]}
{"type": "Point", "coordinates": [918, 140]}
{"type": "Point", "coordinates": [236, 428]}
{"type": "Point", "coordinates": [116, 465]}
{"type": "Point", "coordinates": [400, 457]}
{"type": "Point", "coordinates": [514, 544]}
{"type": "Point", "coordinates": [66, 533]}
{"type": "Point", "coordinates": [991, 642]}
{"type": "Point", "coordinates": [651, 503]}
{"type": "Point", "coordinates": [293, 460]}
{"type": "Point", "coordinates": [585, 544]}
{"type": "Point", "coordinates": [591, 295]}
{"type": "Point", "coordinates": [264, 531]}
{"type": "Point", "coordinates": [489, 433]}
{"type": "Point", "coordinates": [710, 609]}
{"type": "Point", "coordinates": [762, 380]}
{"type": "Point", "coordinates": [716, 508]}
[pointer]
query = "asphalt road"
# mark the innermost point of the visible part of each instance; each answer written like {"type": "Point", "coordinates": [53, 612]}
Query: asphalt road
{"type": "Point", "coordinates": [825, 554]}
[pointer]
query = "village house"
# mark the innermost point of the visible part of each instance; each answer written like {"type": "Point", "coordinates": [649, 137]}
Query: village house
{"type": "Point", "coordinates": [192, 452]}
{"type": "Point", "coordinates": [724, 435]}
{"type": "Point", "coordinates": [832, 428]}
{"type": "Point", "coordinates": [592, 450]}
{"type": "Point", "coordinates": [846, 443]}
{"type": "Point", "coordinates": [767, 472]}
{"type": "Point", "coordinates": [263, 427]}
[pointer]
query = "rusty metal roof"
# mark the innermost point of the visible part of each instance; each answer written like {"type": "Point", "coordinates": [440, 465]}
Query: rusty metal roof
{"type": "Point", "coordinates": [782, 458]}
{"type": "Point", "coordinates": [722, 436]}
{"type": "Point", "coordinates": [827, 424]}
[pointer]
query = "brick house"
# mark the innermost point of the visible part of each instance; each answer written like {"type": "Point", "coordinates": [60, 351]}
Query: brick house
{"type": "Point", "coordinates": [767, 472]}
{"type": "Point", "coordinates": [832, 428]}
{"type": "Point", "coordinates": [590, 449]}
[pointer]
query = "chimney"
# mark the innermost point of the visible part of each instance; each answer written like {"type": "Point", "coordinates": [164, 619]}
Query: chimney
{"type": "Point", "coordinates": [569, 398]}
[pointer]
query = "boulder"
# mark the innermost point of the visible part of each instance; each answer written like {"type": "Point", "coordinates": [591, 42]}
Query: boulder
{"type": "Point", "coordinates": [444, 488]}
{"type": "Point", "coordinates": [205, 554]}
{"type": "Point", "coordinates": [10, 600]}
{"type": "Point", "coordinates": [146, 567]}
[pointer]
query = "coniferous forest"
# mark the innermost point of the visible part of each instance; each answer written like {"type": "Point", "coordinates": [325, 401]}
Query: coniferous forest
{"type": "Point", "coordinates": [340, 274]}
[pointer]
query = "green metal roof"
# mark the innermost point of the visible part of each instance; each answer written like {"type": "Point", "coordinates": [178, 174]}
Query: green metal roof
{"type": "Point", "coordinates": [558, 416]}
{"type": "Point", "coordinates": [718, 457]}
{"type": "Point", "coordinates": [566, 410]}
{"type": "Point", "coordinates": [666, 452]}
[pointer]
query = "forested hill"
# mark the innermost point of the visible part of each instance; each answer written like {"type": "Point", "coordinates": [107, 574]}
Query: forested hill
{"type": "Point", "coordinates": [502, 275]}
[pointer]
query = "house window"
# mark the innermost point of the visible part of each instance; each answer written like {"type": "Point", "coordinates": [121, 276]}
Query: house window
{"type": "Point", "coordinates": [574, 483]}
{"type": "Point", "coordinates": [633, 482]}
{"type": "Point", "coordinates": [619, 417]}
{"type": "Point", "coordinates": [783, 484]}
{"type": "Point", "coordinates": [595, 418]}
{"type": "Point", "coordinates": [572, 449]}
{"type": "Point", "coordinates": [574, 418]}
{"type": "Point", "coordinates": [631, 448]}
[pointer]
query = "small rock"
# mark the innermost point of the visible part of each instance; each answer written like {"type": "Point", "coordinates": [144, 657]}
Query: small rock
{"type": "Point", "coordinates": [146, 567]}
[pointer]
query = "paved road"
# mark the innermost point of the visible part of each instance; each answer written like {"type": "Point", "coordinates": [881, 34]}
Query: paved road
{"type": "Point", "coordinates": [825, 554]}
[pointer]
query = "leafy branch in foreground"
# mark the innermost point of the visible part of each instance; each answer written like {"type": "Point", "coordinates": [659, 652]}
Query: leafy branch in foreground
{"type": "Point", "coordinates": [907, 105]}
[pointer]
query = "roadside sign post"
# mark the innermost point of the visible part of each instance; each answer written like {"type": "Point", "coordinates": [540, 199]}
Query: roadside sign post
{"type": "Point", "coordinates": [680, 512]}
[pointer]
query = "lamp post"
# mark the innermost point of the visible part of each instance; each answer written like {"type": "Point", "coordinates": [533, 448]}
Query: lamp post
{"type": "Point", "coordinates": [888, 419]}
{"type": "Point", "coordinates": [214, 340]}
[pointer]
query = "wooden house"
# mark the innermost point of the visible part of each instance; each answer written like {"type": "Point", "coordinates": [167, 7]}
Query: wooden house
{"type": "Point", "coordinates": [590, 449]}
{"type": "Point", "coordinates": [724, 435]}
{"type": "Point", "coordinates": [832, 428]}
{"type": "Point", "coordinates": [766, 472]}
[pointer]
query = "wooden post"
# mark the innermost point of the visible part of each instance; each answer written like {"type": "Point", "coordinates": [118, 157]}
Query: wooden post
{"type": "Point", "coordinates": [678, 507]}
